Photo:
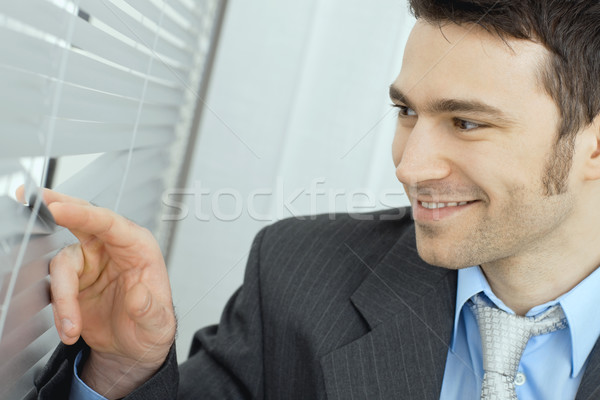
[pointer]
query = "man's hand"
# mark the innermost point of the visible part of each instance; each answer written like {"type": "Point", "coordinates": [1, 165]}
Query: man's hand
{"type": "Point", "coordinates": [111, 288]}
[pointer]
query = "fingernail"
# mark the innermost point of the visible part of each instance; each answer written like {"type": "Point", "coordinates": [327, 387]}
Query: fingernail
{"type": "Point", "coordinates": [67, 325]}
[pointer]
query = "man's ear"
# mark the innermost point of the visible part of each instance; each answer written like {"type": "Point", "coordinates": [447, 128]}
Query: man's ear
{"type": "Point", "coordinates": [592, 167]}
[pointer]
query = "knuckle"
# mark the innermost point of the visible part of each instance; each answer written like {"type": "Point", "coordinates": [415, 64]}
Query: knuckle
{"type": "Point", "coordinates": [65, 258]}
{"type": "Point", "coordinates": [60, 302]}
{"type": "Point", "coordinates": [57, 262]}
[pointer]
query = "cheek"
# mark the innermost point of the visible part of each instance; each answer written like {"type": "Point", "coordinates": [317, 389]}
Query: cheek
{"type": "Point", "coordinates": [398, 145]}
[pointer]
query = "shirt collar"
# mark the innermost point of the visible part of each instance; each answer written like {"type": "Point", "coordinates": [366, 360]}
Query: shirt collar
{"type": "Point", "coordinates": [470, 282]}
{"type": "Point", "coordinates": [580, 306]}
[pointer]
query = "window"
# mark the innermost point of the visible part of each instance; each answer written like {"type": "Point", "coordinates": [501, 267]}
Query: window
{"type": "Point", "coordinates": [100, 99]}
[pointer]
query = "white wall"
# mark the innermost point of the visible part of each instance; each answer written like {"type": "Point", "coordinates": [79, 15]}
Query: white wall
{"type": "Point", "coordinates": [298, 104]}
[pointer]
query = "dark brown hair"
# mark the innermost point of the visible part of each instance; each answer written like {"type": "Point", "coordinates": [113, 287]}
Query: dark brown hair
{"type": "Point", "coordinates": [569, 29]}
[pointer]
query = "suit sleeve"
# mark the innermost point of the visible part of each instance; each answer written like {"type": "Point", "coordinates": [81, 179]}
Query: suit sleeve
{"type": "Point", "coordinates": [225, 362]}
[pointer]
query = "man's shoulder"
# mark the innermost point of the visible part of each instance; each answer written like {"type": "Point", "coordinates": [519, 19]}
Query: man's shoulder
{"type": "Point", "coordinates": [323, 241]}
{"type": "Point", "coordinates": [334, 225]}
{"type": "Point", "coordinates": [310, 268]}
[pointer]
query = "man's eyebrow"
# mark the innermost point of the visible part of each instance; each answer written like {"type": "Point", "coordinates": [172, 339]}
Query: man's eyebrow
{"type": "Point", "coordinates": [398, 96]}
{"type": "Point", "coordinates": [453, 105]}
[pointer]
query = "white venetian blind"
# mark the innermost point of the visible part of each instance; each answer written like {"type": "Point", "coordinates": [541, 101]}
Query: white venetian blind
{"type": "Point", "coordinates": [118, 80]}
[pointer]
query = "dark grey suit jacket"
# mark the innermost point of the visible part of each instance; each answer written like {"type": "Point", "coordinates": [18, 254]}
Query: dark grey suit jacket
{"type": "Point", "coordinates": [329, 309]}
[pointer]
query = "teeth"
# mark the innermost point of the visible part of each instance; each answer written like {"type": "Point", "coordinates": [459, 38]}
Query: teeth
{"type": "Point", "coordinates": [432, 206]}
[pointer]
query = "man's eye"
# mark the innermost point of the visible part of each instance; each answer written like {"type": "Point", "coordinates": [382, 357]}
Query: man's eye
{"type": "Point", "coordinates": [404, 111]}
{"type": "Point", "coordinates": [466, 125]}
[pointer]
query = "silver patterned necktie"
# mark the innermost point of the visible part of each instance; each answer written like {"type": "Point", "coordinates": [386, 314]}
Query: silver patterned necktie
{"type": "Point", "coordinates": [503, 339]}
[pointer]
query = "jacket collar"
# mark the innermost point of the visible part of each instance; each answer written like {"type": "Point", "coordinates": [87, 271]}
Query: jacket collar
{"type": "Point", "coordinates": [409, 307]}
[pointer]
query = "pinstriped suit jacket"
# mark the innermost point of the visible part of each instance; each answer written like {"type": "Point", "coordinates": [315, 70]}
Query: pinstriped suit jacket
{"type": "Point", "coordinates": [330, 309]}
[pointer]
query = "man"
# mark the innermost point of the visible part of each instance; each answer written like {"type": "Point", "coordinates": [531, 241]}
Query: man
{"type": "Point", "coordinates": [498, 148]}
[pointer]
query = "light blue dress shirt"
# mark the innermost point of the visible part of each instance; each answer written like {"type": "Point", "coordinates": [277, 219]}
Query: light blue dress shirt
{"type": "Point", "coordinates": [79, 390]}
{"type": "Point", "coordinates": [552, 365]}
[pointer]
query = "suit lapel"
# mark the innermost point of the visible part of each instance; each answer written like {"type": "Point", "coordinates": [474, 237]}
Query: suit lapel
{"type": "Point", "coordinates": [589, 388]}
{"type": "Point", "coordinates": [409, 306]}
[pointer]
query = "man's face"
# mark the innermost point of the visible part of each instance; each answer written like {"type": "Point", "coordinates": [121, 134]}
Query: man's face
{"type": "Point", "coordinates": [475, 132]}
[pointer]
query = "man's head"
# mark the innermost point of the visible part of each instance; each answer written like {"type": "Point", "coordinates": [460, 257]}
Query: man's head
{"type": "Point", "coordinates": [569, 30]}
{"type": "Point", "coordinates": [485, 130]}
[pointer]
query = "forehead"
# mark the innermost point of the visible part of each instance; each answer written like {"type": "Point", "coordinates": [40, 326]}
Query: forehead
{"type": "Point", "coordinates": [455, 61]}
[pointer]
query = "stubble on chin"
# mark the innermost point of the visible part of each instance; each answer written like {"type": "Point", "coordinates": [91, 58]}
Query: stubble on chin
{"type": "Point", "coordinates": [437, 251]}
{"type": "Point", "coordinates": [520, 227]}
{"type": "Point", "coordinates": [476, 238]}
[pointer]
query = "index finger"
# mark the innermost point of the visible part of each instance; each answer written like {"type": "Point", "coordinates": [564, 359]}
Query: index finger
{"type": "Point", "coordinates": [85, 220]}
{"type": "Point", "coordinates": [50, 196]}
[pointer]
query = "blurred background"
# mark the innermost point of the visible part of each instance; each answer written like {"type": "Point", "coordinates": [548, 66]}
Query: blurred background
{"type": "Point", "coordinates": [201, 120]}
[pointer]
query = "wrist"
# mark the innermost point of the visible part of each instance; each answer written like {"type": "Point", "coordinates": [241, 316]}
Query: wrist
{"type": "Point", "coordinates": [115, 377]}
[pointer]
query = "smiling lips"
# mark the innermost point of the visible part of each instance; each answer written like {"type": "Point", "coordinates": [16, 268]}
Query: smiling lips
{"type": "Point", "coordinates": [435, 212]}
{"type": "Point", "coordinates": [433, 205]}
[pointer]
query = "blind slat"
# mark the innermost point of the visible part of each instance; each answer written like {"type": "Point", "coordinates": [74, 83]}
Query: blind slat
{"type": "Point", "coordinates": [47, 17]}
{"type": "Point", "coordinates": [31, 273]}
{"type": "Point", "coordinates": [9, 166]}
{"type": "Point", "coordinates": [79, 137]}
{"type": "Point", "coordinates": [16, 218]}
{"type": "Point", "coordinates": [36, 56]}
{"type": "Point", "coordinates": [88, 37]}
{"type": "Point", "coordinates": [103, 170]}
{"type": "Point", "coordinates": [26, 304]}
{"type": "Point", "coordinates": [105, 190]}
{"type": "Point", "coordinates": [20, 337]}
{"type": "Point", "coordinates": [30, 53]}
{"type": "Point", "coordinates": [150, 10]}
{"type": "Point", "coordinates": [186, 12]}
{"type": "Point", "coordinates": [92, 39]}
{"type": "Point", "coordinates": [40, 246]}
{"type": "Point", "coordinates": [83, 104]}
{"type": "Point", "coordinates": [23, 389]}
{"type": "Point", "coordinates": [79, 103]}
{"type": "Point", "coordinates": [13, 369]}
{"type": "Point", "coordinates": [124, 23]}
{"type": "Point", "coordinates": [94, 74]}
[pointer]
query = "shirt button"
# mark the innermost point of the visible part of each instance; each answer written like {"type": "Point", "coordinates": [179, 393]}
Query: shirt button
{"type": "Point", "coordinates": [519, 379]}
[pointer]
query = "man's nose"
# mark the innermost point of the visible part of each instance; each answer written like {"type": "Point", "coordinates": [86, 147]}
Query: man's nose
{"type": "Point", "coordinates": [424, 156]}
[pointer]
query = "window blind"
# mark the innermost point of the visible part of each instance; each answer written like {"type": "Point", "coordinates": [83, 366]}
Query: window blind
{"type": "Point", "coordinates": [119, 80]}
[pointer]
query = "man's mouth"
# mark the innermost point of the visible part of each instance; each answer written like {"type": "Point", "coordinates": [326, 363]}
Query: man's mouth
{"type": "Point", "coordinates": [435, 205]}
